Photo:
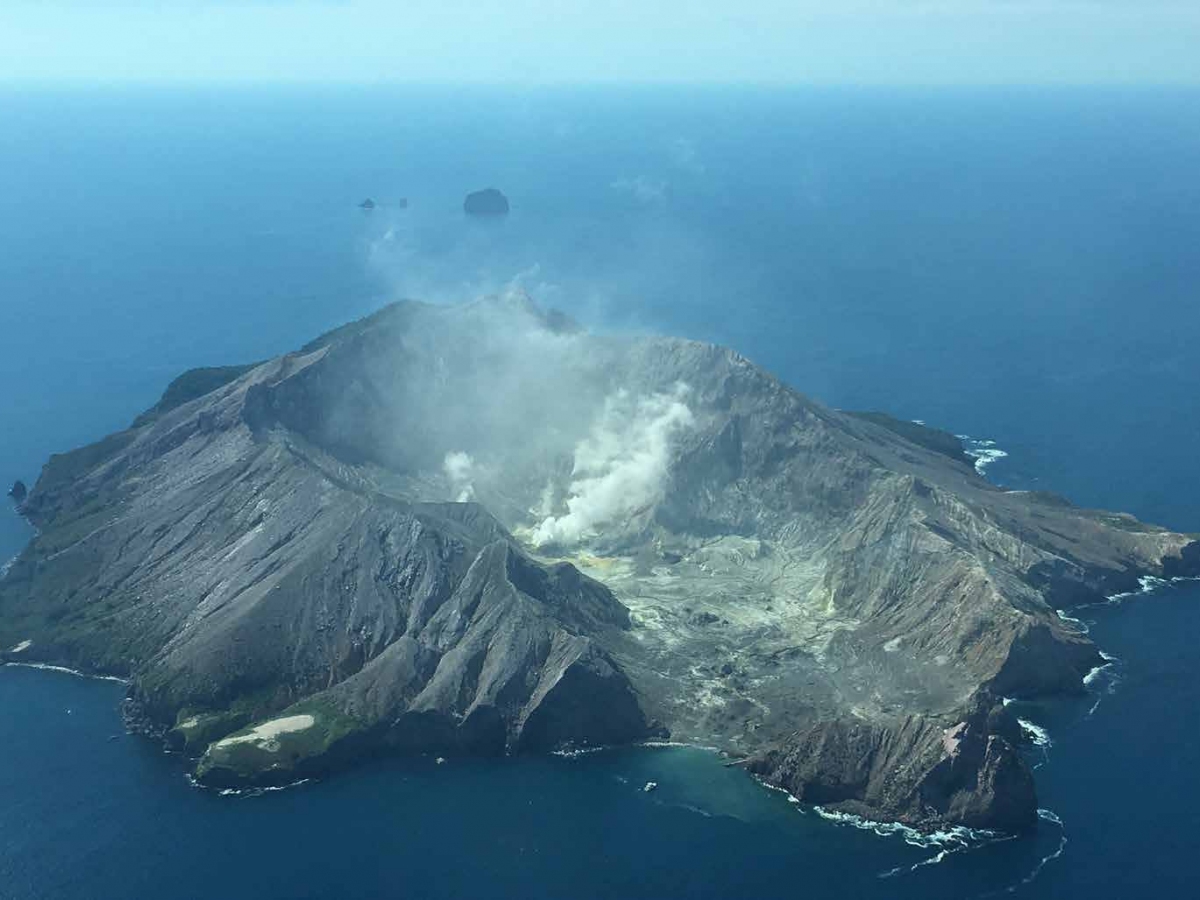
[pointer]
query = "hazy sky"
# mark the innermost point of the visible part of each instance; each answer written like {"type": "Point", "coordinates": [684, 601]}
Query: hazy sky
{"type": "Point", "coordinates": [535, 41]}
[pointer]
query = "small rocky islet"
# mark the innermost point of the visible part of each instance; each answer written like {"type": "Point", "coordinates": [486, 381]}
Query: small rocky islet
{"type": "Point", "coordinates": [489, 202]}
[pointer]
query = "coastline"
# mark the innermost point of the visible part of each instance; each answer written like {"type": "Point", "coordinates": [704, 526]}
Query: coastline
{"type": "Point", "coordinates": [64, 670]}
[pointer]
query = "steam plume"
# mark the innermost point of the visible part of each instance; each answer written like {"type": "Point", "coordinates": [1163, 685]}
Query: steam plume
{"type": "Point", "coordinates": [458, 467]}
{"type": "Point", "coordinates": [620, 468]}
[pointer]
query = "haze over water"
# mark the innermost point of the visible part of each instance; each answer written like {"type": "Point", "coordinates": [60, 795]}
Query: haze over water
{"type": "Point", "coordinates": [1010, 264]}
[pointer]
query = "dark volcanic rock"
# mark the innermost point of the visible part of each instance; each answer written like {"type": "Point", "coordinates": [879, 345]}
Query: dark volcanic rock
{"type": "Point", "coordinates": [932, 438]}
{"type": "Point", "coordinates": [1187, 565]}
{"type": "Point", "coordinates": [916, 769]}
{"type": "Point", "coordinates": [480, 528]}
{"type": "Point", "coordinates": [18, 492]}
{"type": "Point", "coordinates": [488, 202]}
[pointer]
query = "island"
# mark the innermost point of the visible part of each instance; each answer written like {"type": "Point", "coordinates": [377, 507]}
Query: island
{"type": "Point", "coordinates": [488, 202]}
{"type": "Point", "coordinates": [367, 204]}
{"type": "Point", "coordinates": [18, 492]}
{"type": "Point", "coordinates": [483, 529]}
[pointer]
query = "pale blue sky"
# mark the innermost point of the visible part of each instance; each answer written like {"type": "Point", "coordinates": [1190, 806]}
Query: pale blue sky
{"type": "Point", "coordinates": [574, 41]}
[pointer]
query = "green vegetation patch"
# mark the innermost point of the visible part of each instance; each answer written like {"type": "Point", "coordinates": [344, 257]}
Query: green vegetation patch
{"type": "Point", "coordinates": [279, 748]}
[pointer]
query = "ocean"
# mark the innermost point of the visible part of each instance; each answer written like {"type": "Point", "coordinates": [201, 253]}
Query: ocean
{"type": "Point", "coordinates": [1014, 265]}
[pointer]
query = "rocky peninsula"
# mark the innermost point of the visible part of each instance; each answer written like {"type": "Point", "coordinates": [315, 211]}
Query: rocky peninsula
{"type": "Point", "coordinates": [481, 529]}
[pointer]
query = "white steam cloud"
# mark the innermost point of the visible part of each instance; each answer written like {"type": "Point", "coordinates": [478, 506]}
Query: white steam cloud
{"type": "Point", "coordinates": [459, 468]}
{"type": "Point", "coordinates": [621, 467]}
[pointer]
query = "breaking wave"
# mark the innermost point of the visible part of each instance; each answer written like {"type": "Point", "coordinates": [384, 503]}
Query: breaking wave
{"type": "Point", "coordinates": [1044, 815]}
{"type": "Point", "coordinates": [984, 452]}
{"type": "Point", "coordinates": [1104, 679]}
{"type": "Point", "coordinates": [576, 752]}
{"type": "Point", "coordinates": [1038, 736]}
{"type": "Point", "coordinates": [956, 836]}
{"type": "Point", "coordinates": [46, 667]}
{"type": "Point", "coordinates": [1147, 584]}
{"type": "Point", "coordinates": [945, 852]}
{"type": "Point", "coordinates": [1091, 677]}
{"type": "Point", "coordinates": [249, 791]}
{"type": "Point", "coordinates": [1079, 625]}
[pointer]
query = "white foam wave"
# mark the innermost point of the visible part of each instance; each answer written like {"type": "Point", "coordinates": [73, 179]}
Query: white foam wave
{"type": "Point", "coordinates": [576, 752]}
{"type": "Point", "coordinates": [949, 837]}
{"type": "Point", "coordinates": [249, 791]}
{"type": "Point", "coordinates": [1147, 584]}
{"type": "Point", "coordinates": [984, 452]}
{"type": "Point", "coordinates": [658, 745]}
{"type": "Point", "coordinates": [1079, 625]}
{"type": "Point", "coordinates": [46, 667]}
{"type": "Point", "coordinates": [1094, 674]}
{"type": "Point", "coordinates": [573, 752]}
{"type": "Point", "coordinates": [946, 842]}
{"type": "Point", "coordinates": [791, 798]}
{"type": "Point", "coordinates": [1038, 736]}
{"type": "Point", "coordinates": [1049, 815]}
{"type": "Point", "coordinates": [945, 852]}
{"type": "Point", "coordinates": [1046, 816]}
{"type": "Point", "coordinates": [1108, 673]}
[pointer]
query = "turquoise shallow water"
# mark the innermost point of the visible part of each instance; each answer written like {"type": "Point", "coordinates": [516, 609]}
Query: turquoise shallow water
{"type": "Point", "coordinates": [1014, 266]}
{"type": "Point", "coordinates": [100, 814]}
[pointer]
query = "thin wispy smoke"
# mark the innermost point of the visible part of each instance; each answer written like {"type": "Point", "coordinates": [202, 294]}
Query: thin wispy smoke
{"type": "Point", "coordinates": [459, 469]}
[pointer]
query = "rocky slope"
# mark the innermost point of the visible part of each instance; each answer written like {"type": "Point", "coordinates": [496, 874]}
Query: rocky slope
{"type": "Point", "coordinates": [481, 529]}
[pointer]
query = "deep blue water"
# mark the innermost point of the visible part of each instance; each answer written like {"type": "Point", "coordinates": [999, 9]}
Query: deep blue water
{"type": "Point", "coordinates": [1015, 265]}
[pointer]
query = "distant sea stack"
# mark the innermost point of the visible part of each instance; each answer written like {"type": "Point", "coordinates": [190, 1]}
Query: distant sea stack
{"type": "Point", "coordinates": [18, 492]}
{"type": "Point", "coordinates": [367, 204]}
{"type": "Point", "coordinates": [488, 202]}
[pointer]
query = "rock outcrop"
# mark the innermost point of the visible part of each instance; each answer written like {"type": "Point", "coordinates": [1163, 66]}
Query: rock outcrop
{"type": "Point", "coordinates": [488, 202]}
{"type": "Point", "coordinates": [481, 529]}
{"type": "Point", "coordinates": [18, 492]}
